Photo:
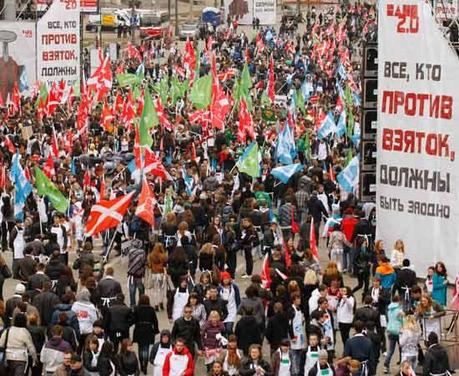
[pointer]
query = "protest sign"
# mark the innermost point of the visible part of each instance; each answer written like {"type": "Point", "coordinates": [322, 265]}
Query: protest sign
{"type": "Point", "coordinates": [58, 43]}
{"type": "Point", "coordinates": [418, 135]}
{"type": "Point", "coordinates": [265, 11]}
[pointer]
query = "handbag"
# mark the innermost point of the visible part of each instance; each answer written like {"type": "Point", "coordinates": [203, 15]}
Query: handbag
{"type": "Point", "coordinates": [6, 272]}
{"type": "Point", "coordinates": [3, 349]}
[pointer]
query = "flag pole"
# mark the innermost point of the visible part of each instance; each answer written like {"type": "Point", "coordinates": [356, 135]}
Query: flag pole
{"type": "Point", "coordinates": [105, 258]}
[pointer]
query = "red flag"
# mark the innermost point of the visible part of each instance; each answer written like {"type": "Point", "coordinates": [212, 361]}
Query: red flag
{"type": "Point", "coordinates": [265, 277]}
{"type": "Point", "coordinates": [68, 141]}
{"type": "Point", "coordinates": [9, 145]}
{"type": "Point", "coordinates": [294, 225]}
{"type": "Point", "coordinates": [53, 100]}
{"type": "Point", "coordinates": [87, 179]}
{"type": "Point", "coordinates": [271, 81]}
{"type": "Point", "coordinates": [154, 166]}
{"type": "Point", "coordinates": [331, 173]}
{"type": "Point", "coordinates": [245, 122]}
{"type": "Point", "coordinates": [287, 255]}
{"type": "Point", "coordinates": [27, 173]}
{"type": "Point", "coordinates": [54, 145]}
{"type": "Point", "coordinates": [118, 103]}
{"type": "Point", "coordinates": [100, 82]}
{"type": "Point", "coordinates": [193, 152]}
{"type": "Point", "coordinates": [128, 115]}
{"type": "Point", "coordinates": [107, 214]}
{"type": "Point", "coordinates": [313, 241]}
{"type": "Point", "coordinates": [146, 204]}
{"type": "Point", "coordinates": [163, 120]}
{"type": "Point", "coordinates": [226, 75]}
{"type": "Point", "coordinates": [133, 52]}
{"type": "Point", "coordinates": [2, 176]}
{"type": "Point", "coordinates": [48, 168]}
{"type": "Point", "coordinates": [106, 117]}
{"type": "Point", "coordinates": [15, 100]}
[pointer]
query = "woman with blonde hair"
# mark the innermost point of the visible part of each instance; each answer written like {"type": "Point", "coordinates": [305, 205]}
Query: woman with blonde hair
{"type": "Point", "coordinates": [430, 312]}
{"type": "Point", "coordinates": [157, 277]}
{"type": "Point", "coordinates": [398, 254]}
{"type": "Point", "coordinates": [331, 273]}
{"type": "Point", "coordinates": [409, 339]}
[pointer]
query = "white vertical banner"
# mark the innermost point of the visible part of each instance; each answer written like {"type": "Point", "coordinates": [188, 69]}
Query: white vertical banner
{"type": "Point", "coordinates": [418, 135]}
{"type": "Point", "coordinates": [58, 43]}
{"type": "Point", "coordinates": [265, 11]}
{"type": "Point", "coordinates": [242, 9]}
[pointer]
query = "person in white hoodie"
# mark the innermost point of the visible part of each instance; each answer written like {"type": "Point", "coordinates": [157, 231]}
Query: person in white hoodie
{"type": "Point", "coordinates": [320, 292]}
{"type": "Point", "coordinates": [345, 313]}
{"type": "Point", "coordinates": [86, 314]}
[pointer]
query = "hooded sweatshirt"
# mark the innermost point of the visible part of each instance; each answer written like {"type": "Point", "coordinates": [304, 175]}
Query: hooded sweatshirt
{"type": "Point", "coordinates": [85, 311]}
{"type": "Point", "coordinates": [395, 318]}
{"type": "Point", "coordinates": [178, 363]}
{"type": "Point", "coordinates": [386, 273]}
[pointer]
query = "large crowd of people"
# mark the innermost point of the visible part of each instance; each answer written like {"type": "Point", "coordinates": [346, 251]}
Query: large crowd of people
{"type": "Point", "coordinates": [73, 318]}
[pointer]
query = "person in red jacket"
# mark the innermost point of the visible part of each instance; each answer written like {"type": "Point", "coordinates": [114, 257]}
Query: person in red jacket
{"type": "Point", "coordinates": [347, 227]}
{"type": "Point", "coordinates": [179, 361]}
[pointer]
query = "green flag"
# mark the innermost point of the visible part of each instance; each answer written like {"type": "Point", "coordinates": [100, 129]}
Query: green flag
{"type": "Point", "coordinates": [178, 89]}
{"type": "Point", "coordinates": [168, 203]}
{"type": "Point", "coordinates": [349, 156]}
{"type": "Point", "coordinates": [148, 120]}
{"type": "Point", "coordinates": [136, 93]}
{"type": "Point", "coordinates": [300, 101]}
{"type": "Point", "coordinates": [249, 162]}
{"type": "Point", "coordinates": [265, 102]}
{"type": "Point", "coordinates": [307, 146]}
{"type": "Point", "coordinates": [201, 92]}
{"type": "Point", "coordinates": [128, 79]}
{"type": "Point", "coordinates": [348, 96]}
{"type": "Point", "coordinates": [42, 95]}
{"type": "Point", "coordinates": [246, 80]}
{"type": "Point", "coordinates": [350, 124]}
{"type": "Point", "coordinates": [162, 88]}
{"type": "Point", "coordinates": [46, 188]}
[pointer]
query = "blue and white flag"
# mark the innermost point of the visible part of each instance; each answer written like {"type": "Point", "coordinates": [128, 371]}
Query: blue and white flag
{"type": "Point", "coordinates": [286, 148]}
{"type": "Point", "coordinates": [356, 99]}
{"type": "Point", "coordinates": [284, 173]}
{"type": "Point", "coordinates": [327, 127]}
{"type": "Point", "coordinates": [341, 126]}
{"type": "Point", "coordinates": [341, 71]}
{"type": "Point", "coordinates": [189, 182]}
{"type": "Point", "coordinates": [306, 89]}
{"type": "Point", "coordinates": [348, 179]}
{"type": "Point", "coordinates": [22, 186]}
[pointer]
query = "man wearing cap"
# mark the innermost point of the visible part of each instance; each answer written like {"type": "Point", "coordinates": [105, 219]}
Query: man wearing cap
{"type": "Point", "coordinates": [322, 367]}
{"type": "Point", "coordinates": [230, 293]}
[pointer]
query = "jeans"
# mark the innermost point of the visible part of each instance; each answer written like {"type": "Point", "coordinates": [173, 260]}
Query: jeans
{"type": "Point", "coordinates": [134, 284]}
{"type": "Point", "coordinates": [393, 341]}
{"type": "Point", "coordinates": [295, 356]}
{"type": "Point", "coordinates": [144, 350]}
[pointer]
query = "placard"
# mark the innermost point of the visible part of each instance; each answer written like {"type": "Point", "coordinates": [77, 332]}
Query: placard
{"type": "Point", "coordinates": [418, 131]}
{"type": "Point", "coordinates": [265, 11]}
{"type": "Point", "coordinates": [58, 43]}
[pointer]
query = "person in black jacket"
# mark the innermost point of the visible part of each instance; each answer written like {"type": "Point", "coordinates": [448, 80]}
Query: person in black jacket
{"type": "Point", "coordinates": [45, 302]}
{"type": "Point", "coordinates": [55, 266]}
{"type": "Point", "coordinates": [254, 364]}
{"type": "Point", "coordinates": [107, 360]}
{"type": "Point", "coordinates": [128, 361]}
{"type": "Point", "coordinates": [247, 331]}
{"type": "Point", "coordinates": [118, 319]}
{"type": "Point", "coordinates": [187, 327]}
{"type": "Point", "coordinates": [277, 329]}
{"type": "Point", "coordinates": [145, 330]}
{"type": "Point", "coordinates": [406, 279]}
{"type": "Point", "coordinates": [360, 348]}
{"type": "Point", "coordinates": [367, 313]}
{"type": "Point", "coordinates": [38, 334]}
{"type": "Point", "coordinates": [436, 361]}
{"type": "Point", "coordinates": [108, 289]}
{"type": "Point", "coordinates": [316, 209]}
{"type": "Point", "coordinates": [90, 354]}
{"type": "Point", "coordinates": [248, 239]}
{"type": "Point", "coordinates": [215, 303]}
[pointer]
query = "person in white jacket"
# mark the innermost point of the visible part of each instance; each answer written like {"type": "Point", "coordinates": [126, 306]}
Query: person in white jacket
{"type": "Point", "coordinates": [345, 313]}
{"type": "Point", "coordinates": [409, 339]}
{"type": "Point", "coordinates": [86, 314]}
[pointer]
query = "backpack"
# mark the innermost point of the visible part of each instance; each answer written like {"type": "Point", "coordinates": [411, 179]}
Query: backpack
{"type": "Point", "coordinates": [136, 264]}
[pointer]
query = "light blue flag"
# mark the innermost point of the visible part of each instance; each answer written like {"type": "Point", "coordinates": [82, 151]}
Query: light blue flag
{"type": "Point", "coordinates": [268, 36]}
{"type": "Point", "coordinates": [140, 71]}
{"type": "Point", "coordinates": [341, 126]}
{"type": "Point", "coordinates": [131, 166]}
{"type": "Point", "coordinates": [356, 99]}
{"type": "Point", "coordinates": [348, 179]}
{"type": "Point", "coordinates": [327, 127]}
{"type": "Point", "coordinates": [23, 82]}
{"type": "Point", "coordinates": [284, 173]}
{"type": "Point", "coordinates": [341, 72]}
{"type": "Point", "coordinates": [189, 182]}
{"type": "Point", "coordinates": [22, 186]}
{"type": "Point", "coordinates": [286, 149]}
{"type": "Point", "coordinates": [340, 90]}
{"type": "Point", "coordinates": [72, 167]}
